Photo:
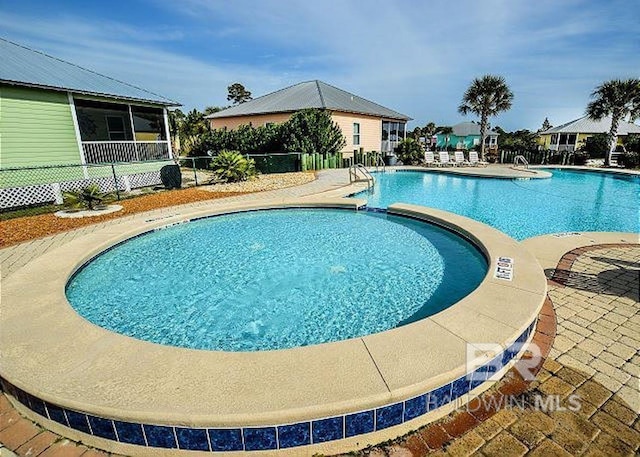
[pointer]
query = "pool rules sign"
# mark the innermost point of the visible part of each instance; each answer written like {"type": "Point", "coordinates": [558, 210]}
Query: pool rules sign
{"type": "Point", "coordinates": [504, 269]}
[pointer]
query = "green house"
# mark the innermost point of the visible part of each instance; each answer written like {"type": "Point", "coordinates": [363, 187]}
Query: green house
{"type": "Point", "coordinates": [465, 136]}
{"type": "Point", "coordinates": [63, 126]}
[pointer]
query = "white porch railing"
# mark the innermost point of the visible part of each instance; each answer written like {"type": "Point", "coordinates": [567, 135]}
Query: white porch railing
{"type": "Point", "coordinates": [124, 151]}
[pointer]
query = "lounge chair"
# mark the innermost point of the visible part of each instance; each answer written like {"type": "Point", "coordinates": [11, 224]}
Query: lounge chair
{"type": "Point", "coordinates": [429, 159]}
{"type": "Point", "coordinates": [474, 161]}
{"type": "Point", "coordinates": [444, 159]}
{"type": "Point", "coordinates": [459, 160]}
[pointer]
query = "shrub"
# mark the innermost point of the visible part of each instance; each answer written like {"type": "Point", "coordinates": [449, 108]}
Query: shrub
{"type": "Point", "coordinates": [580, 158]}
{"type": "Point", "coordinates": [491, 156]}
{"type": "Point", "coordinates": [231, 166]}
{"type": "Point", "coordinates": [88, 198]}
{"type": "Point", "coordinates": [632, 142]}
{"type": "Point", "coordinates": [312, 131]}
{"type": "Point", "coordinates": [409, 152]}
{"type": "Point", "coordinates": [596, 146]}
{"type": "Point", "coordinates": [629, 160]}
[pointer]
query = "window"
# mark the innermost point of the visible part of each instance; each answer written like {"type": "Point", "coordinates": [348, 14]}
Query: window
{"type": "Point", "coordinates": [356, 134]}
{"type": "Point", "coordinates": [102, 121]}
{"type": "Point", "coordinates": [148, 123]}
{"type": "Point", "coordinates": [115, 128]}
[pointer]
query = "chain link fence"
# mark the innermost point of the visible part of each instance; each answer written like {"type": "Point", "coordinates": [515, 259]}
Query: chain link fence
{"type": "Point", "coordinates": [31, 186]}
{"type": "Point", "coordinates": [28, 186]}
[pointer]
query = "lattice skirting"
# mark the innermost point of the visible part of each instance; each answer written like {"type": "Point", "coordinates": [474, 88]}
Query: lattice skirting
{"type": "Point", "coordinates": [50, 193]}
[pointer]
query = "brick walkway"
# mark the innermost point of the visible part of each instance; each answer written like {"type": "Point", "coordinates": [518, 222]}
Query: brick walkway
{"type": "Point", "coordinates": [594, 357]}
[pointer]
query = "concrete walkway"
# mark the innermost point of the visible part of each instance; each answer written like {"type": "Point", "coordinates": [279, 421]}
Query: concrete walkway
{"type": "Point", "coordinates": [328, 181]}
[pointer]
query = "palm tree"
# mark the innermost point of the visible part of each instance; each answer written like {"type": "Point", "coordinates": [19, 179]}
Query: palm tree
{"type": "Point", "coordinates": [618, 99]}
{"type": "Point", "coordinates": [446, 131]}
{"type": "Point", "coordinates": [485, 97]}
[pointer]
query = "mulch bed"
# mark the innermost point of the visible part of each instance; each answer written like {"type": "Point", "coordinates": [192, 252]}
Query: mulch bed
{"type": "Point", "coordinates": [18, 230]}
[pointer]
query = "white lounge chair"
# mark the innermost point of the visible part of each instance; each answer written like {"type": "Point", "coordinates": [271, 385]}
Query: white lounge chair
{"type": "Point", "coordinates": [474, 161]}
{"type": "Point", "coordinates": [459, 160]}
{"type": "Point", "coordinates": [444, 159]}
{"type": "Point", "coordinates": [430, 159]}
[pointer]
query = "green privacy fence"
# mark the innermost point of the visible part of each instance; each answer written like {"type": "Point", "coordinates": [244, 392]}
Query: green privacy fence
{"type": "Point", "coordinates": [294, 161]}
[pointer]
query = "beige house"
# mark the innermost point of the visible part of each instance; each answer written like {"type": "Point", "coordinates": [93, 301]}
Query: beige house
{"type": "Point", "coordinates": [365, 124]}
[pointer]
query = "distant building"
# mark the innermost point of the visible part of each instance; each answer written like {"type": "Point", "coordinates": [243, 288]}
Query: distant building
{"type": "Point", "coordinates": [364, 124]}
{"type": "Point", "coordinates": [572, 135]}
{"type": "Point", "coordinates": [465, 136]}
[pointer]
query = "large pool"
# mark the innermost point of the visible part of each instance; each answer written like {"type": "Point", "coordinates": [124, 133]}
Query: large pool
{"type": "Point", "coordinates": [276, 279]}
{"type": "Point", "coordinates": [568, 201]}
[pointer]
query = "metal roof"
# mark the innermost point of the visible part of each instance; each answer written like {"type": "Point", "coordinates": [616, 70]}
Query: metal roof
{"type": "Point", "coordinates": [309, 94]}
{"type": "Point", "coordinates": [586, 125]}
{"type": "Point", "coordinates": [25, 67]}
{"type": "Point", "coordinates": [470, 128]}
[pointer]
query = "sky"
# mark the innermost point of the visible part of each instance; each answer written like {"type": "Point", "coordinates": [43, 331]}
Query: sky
{"type": "Point", "coordinates": [416, 57]}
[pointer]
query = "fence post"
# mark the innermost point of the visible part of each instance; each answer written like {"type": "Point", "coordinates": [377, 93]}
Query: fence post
{"type": "Point", "coordinates": [115, 179]}
{"type": "Point", "coordinates": [195, 174]}
{"type": "Point", "coordinates": [57, 192]}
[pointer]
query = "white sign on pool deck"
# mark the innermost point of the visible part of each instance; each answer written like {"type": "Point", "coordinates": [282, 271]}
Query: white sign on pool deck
{"type": "Point", "coordinates": [504, 268]}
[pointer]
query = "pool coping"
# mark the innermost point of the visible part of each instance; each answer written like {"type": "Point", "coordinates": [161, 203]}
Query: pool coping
{"type": "Point", "coordinates": [504, 171]}
{"type": "Point", "coordinates": [136, 380]}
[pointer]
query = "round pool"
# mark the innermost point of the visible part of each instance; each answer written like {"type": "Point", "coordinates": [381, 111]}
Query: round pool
{"type": "Point", "coordinates": [276, 279]}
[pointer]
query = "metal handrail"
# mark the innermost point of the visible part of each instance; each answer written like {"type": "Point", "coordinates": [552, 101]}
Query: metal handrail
{"type": "Point", "coordinates": [379, 162]}
{"type": "Point", "coordinates": [353, 175]}
{"type": "Point", "coordinates": [520, 158]}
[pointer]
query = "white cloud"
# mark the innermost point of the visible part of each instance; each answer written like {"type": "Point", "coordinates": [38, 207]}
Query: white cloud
{"type": "Point", "coordinates": [415, 57]}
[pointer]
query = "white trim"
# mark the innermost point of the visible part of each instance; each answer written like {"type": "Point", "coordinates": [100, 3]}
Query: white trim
{"type": "Point", "coordinates": [165, 115]}
{"type": "Point", "coordinates": [133, 130]}
{"type": "Point", "coordinates": [76, 127]}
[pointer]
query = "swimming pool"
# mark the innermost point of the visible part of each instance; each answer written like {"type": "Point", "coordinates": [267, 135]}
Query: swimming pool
{"type": "Point", "coordinates": [276, 279]}
{"type": "Point", "coordinates": [568, 201]}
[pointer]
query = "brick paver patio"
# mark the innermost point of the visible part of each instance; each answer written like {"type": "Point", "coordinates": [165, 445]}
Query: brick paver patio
{"type": "Point", "coordinates": [594, 357]}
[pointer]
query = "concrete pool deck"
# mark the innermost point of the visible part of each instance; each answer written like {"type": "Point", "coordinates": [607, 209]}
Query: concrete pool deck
{"type": "Point", "coordinates": [12, 259]}
{"type": "Point", "coordinates": [152, 384]}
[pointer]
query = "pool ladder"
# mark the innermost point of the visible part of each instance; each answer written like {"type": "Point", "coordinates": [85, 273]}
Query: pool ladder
{"type": "Point", "coordinates": [520, 159]}
{"type": "Point", "coordinates": [379, 163]}
{"type": "Point", "coordinates": [359, 173]}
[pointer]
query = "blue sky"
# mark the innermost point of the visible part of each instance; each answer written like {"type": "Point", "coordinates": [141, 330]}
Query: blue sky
{"type": "Point", "coordinates": [416, 57]}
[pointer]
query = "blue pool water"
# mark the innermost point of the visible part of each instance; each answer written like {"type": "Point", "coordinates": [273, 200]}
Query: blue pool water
{"type": "Point", "coordinates": [275, 279]}
{"type": "Point", "coordinates": [569, 201]}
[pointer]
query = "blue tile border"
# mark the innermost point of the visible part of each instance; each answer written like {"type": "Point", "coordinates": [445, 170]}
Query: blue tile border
{"type": "Point", "coordinates": [276, 436]}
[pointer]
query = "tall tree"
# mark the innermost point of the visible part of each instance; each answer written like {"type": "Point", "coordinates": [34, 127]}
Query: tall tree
{"type": "Point", "coordinates": [485, 97]}
{"type": "Point", "coordinates": [176, 120]}
{"type": "Point", "coordinates": [429, 129]}
{"type": "Point", "coordinates": [416, 133]}
{"type": "Point", "coordinates": [192, 128]}
{"type": "Point", "coordinates": [212, 109]}
{"type": "Point", "coordinates": [616, 98]}
{"type": "Point", "coordinates": [546, 125]}
{"type": "Point", "coordinates": [238, 94]}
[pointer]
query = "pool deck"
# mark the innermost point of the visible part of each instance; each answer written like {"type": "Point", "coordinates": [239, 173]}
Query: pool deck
{"type": "Point", "coordinates": [549, 250]}
{"type": "Point", "coordinates": [148, 383]}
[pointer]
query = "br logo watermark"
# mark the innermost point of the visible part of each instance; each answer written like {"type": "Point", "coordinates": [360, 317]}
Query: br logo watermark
{"type": "Point", "coordinates": [489, 358]}
{"type": "Point", "coordinates": [485, 360]}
